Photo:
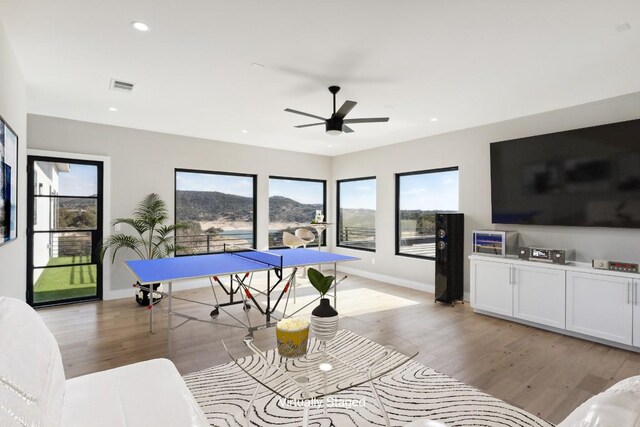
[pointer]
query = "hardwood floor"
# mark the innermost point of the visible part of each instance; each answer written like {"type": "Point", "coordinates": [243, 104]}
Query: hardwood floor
{"type": "Point", "coordinates": [542, 372]}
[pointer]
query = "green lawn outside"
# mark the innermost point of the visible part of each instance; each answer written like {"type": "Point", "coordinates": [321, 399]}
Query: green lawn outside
{"type": "Point", "coordinates": [66, 282]}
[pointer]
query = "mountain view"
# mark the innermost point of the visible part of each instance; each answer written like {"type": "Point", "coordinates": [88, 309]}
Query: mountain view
{"type": "Point", "coordinates": [212, 216]}
{"type": "Point", "coordinates": [214, 206]}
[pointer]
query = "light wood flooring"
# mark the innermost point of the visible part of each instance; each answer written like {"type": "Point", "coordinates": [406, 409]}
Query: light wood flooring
{"type": "Point", "coordinates": [542, 372]}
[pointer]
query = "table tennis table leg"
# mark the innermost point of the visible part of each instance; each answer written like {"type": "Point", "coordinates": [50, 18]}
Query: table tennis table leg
{"type": "Point", "coordinates": [150, 294]}
{"type": "Point", "coordinates": [268, 310]}
{"type": "Point", "coordinates": [335, 286]}
{"type": "Point", "coordinates": [169, 315]}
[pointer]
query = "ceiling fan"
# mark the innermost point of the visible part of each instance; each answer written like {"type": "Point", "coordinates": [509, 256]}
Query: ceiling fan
{"type": "Point", "coordinates": [336, 124]}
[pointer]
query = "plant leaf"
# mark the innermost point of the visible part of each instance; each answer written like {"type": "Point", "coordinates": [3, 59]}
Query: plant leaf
{"type": "Point", "coordinates": [319, 281]}
{"type": "Point", "coordinates": [119, 241]}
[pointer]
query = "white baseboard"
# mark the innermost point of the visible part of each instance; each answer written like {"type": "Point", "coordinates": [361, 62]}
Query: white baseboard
{"type": "Point", "coordinates": [108, 295]}
{"type": "Point", "coordinates": [425, 287]}
{"type": "Point", "coordinates": [195, 284]}
{"type": "Point", "coordinates": [131, 292]}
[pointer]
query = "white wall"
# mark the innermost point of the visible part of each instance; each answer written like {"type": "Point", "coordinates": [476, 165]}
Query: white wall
{"type": "Point", "coordinates": [13, 108]}
{"type": "Point", "coordinates": [469, 150]}
{"type": "Point", "coordinates": [143, 162]}
{"type": "Point", "coordinates": [46, 177]}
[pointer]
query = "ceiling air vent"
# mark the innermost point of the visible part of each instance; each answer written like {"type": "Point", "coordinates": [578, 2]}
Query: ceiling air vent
{"type": "Point", "coordinates": [121, 86]}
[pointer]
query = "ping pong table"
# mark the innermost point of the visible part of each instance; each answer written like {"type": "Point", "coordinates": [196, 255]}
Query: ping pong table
{"type": "Point", "coordinates": [239, 265]}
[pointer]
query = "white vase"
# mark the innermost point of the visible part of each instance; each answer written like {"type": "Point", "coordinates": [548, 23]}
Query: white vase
{"type": "Point", "coordinates": [324, 321]}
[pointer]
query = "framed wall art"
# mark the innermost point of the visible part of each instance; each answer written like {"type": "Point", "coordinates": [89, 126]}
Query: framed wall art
{"type": "Point", "coordinates": [8, 183]}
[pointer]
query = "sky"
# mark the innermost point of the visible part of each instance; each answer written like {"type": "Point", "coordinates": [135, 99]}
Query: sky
{"type": "Point", "coordinates": [230, 184]}
{"type": "Point", "coordinates": [81, 180]}
{"type": "Point", "coordinates": [358, 194]}
{"type": "Point", "coordinates": [429, 191]}
{"type": "Point", "coordinates": [300, 191]}
{"type": "Point", "coordinates": [307, 192]}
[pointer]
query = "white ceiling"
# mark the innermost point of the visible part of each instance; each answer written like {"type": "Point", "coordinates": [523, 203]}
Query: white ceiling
{"type": "Point", "coordinates": [465, 62]}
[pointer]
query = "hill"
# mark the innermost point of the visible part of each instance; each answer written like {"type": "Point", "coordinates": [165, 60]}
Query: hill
{"type": "Point", "coordinates": [214, 205]}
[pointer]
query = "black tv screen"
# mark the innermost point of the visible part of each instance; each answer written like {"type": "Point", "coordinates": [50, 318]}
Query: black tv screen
{"type": "Point", "coordinates": [586, 177]}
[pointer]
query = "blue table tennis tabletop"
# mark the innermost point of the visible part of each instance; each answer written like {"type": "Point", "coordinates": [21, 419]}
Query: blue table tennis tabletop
{"type": "Point", "coordinates": [221, 264]}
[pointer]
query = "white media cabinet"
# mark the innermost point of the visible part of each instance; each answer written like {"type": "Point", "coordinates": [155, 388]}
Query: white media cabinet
{"type": "Point", "coordinates": [573, 299]}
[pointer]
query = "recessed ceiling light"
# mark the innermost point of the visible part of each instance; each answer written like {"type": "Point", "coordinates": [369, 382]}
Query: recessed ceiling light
{"type": "Point", "coordinates": [434, 119]}
{"type": "Point", "coordinates": [114, 109]}
{"type": "Point", "coordinates": [329, 145]}
{"type": "Point", "coordinates": [140, 26]}
{"type": "Point", "coordinates": [257, 65]}
{"type": "Point", "coordinates": [244, 131]}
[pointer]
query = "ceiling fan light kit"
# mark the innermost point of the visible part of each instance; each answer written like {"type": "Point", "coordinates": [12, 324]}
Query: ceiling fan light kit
{"type": "Point", "coordinates": [336, 124]}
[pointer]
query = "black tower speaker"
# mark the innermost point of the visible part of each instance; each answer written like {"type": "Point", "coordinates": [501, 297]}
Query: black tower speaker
{"type": "Point", "coordinates": [449, 257]}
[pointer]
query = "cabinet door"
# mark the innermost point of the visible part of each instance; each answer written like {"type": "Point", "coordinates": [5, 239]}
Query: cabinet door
{"type": "Point", "coordinates": [491, 287]}
{"type": "Point", "coordinates": [600, 306]}
{"type": "Point", "coordinates": [636, 313]}
{"type": "Point", "coordinates": [539, 295]}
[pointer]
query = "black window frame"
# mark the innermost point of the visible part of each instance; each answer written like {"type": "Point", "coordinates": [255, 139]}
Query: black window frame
{"type": "Point", "coordinates": [209, 172]}
{"type": "Point", "coordinates": [398, 176]}
{"type": "Point", "coordinates": [324, 203]}
{"type": "Point", "coordinates": [338, 182]}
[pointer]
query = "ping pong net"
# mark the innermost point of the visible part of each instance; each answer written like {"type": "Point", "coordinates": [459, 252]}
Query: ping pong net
{"type": "Point", "coordinates": [270, 259]}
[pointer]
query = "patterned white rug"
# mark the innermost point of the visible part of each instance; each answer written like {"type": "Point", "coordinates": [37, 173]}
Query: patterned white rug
{"type": "Point", "coordinates": [411, 392]}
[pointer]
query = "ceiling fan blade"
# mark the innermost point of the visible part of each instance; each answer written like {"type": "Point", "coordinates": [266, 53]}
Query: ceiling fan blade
{"type": "Point", "coordinates": [368, 120]}
{"type": "Point", "coordinates": [289, 110]}
{"type": "Point", "coordinates": [344, 110]}
{"type": "Point", "coordinates": [306, 126]}
{"type": "Point", "coordinates": [346, 129]}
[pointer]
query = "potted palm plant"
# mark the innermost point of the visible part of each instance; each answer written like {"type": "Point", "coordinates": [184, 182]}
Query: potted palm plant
{"type": "Point", "coordinates": [324, 318]}
{"type": "Point", "coordinates": [154, 239]}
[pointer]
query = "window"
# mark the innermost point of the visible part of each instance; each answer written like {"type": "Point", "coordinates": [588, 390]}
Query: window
{"type": "Point", "coordinates": [419, 195]}
{"type": "Point", "coordinates": [218, 208]}
{"type": "Point", "coordinates": [293, 202]}
{"type": "Point", "coordinates": [357, 213]}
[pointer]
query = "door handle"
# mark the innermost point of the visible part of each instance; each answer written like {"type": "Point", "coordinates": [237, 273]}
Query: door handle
{"type": "Point", "coordinates": [635, 286]}
{"type": "Point", "coordinates": [628, 292]}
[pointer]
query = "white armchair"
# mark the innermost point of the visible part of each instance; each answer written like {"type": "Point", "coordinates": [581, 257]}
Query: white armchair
{"type": "Point", "coordinates": [305, 235]}
{"type": "Point", "coordinates": [34, 391]}
{"type": "Point", "coordinates": [291, 241]}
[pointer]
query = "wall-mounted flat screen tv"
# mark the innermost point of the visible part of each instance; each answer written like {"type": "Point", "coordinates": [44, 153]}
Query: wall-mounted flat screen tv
{"type": "Point", "coordinates": [586, 177]}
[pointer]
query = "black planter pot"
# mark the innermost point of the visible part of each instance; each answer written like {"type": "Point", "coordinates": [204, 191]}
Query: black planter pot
{"type": "Point", "coordinates": [324, 321]}
{"type": "Point", "coordinates": [324, 309]}
{"type": "Point", "coordinates": [142, 296]}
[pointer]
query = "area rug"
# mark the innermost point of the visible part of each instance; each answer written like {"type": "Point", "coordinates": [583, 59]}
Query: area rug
{"type": "Point", "coordinates": [411, 392]}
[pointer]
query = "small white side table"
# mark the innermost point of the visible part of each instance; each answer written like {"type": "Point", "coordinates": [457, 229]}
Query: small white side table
{"type": "Point", "coordinates": [319, 227]}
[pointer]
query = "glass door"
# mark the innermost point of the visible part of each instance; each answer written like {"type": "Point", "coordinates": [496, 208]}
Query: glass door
{"type": "Point", "coordinates": [64, 229]}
